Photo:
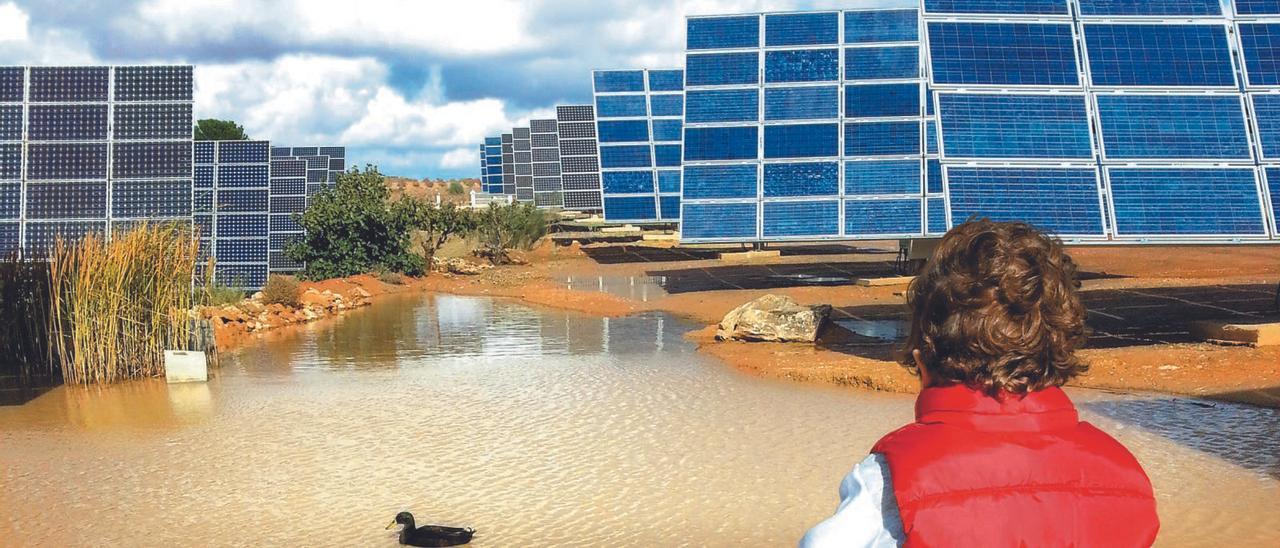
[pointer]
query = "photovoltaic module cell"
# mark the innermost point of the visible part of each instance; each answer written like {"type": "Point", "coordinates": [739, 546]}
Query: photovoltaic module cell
{"type": "Point", "coordinates": [70, 167]}
{"type": "Point", "coordinates": [288, 200]}
{"type": "Point", "coordinates": [1158, 8]}
{"type": "Point", "coordinates": [1256, 7]}
{"type": "Point", "coordinates": [1007, 54]}
{"type": "Point", "coordinates": [996, 7]}
{"type": "Point", "coordinates": [639, 122]}
{"type": "Point", "coordinates": [1174, 127]}
{"type": "Point", "coordinates": [1159, 55]}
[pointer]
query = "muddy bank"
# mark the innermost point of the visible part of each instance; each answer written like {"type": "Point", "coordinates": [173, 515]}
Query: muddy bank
{"type": "Point", "coordinates": [1242, 374]}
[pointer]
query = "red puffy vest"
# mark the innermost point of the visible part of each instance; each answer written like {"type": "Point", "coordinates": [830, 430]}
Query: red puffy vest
{"type": "Point", "coordinates": [974, 470]}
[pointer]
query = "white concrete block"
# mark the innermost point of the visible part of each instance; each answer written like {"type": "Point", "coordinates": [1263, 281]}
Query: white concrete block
{"type": "Point", "coordinates": [185, 366]}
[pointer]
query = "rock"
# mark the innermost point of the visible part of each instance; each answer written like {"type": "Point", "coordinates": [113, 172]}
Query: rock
{"type": "Point", "coordinates": [458, 266]}
{"type": "Point", "coordinates": [774, 318]}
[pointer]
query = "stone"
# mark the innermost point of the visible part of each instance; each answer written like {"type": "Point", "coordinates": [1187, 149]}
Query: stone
{"type": "Point", "coordinates": [774, 318]}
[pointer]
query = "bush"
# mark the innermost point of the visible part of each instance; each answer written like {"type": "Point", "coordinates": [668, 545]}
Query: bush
{"type": "Point", "coordinates": [503, 228]}
{"type": "Point", "coordinates": [391, 278]}
{"type": "Point", "coordinates": [217, 293]}
{"type": "Point", "coordinates": [438, 223]}
{"type": "Point", "coordinates": [353, 229]}
{"type": "Point", "coordinates": [455, 188]}
{"type": "Point", "coordinates": [283, 290]}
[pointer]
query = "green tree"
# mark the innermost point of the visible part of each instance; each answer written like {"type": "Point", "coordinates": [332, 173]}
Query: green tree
{"type": "Point", "coordinates": [438, 223]}
{"type": "Point", "coordinates": [503, 228]}
{"type": "Point", "coordinates": [353, 229]}
{"type": "Point", "coordinates": [210, 129]}
{"type": "Point", "coordinates": [455, 188]}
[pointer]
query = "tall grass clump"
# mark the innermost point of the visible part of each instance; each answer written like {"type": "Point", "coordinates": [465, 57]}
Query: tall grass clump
{"type": "Point", "coordinates": [24, 323]}
{"type": "Point", "coordinates": [116, 306]}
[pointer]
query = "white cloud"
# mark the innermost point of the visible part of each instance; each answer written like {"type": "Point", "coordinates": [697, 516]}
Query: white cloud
{"type": "Point", "coordinates": [13, 23]}
{"type": "Point", "coordinates": [459, 28]}
{"type": "Point", "coordinates": [461, 158]}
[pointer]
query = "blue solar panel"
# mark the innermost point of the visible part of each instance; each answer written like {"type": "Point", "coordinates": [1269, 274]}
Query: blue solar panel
{"type": "Point", "coordinates": [1266, 112]}
{"type": "Point", "coordinates": [624, 131]}
{"type": "Point", "coordinates": [1186, 202]}
{"type": "Point", "coordinates": [666, 80]}
{"type": "Point", "coordinates": [937, 216]}
{"type": "Point", "coordinates": [801, 29]}
{"type": "Point", "coordinates": [882, 217]}
{"type": "Point", "coordinates": [872, 26]}
{"type": "Point", "coordinates": [11, 123]}
{"type": "Point", "coordinates": [1150, 7]}
{"type": "Point", "coordinates": [1030, 54]}
{"type": "Point", "coordinates": [1015, 126]}
{"type": "Point", "coordinates": [67, 200]}
{"type": "Point", "coordinates": [799, 103]}
{"type": "Point", "coordinates": [666, 155]}
{"type": "Point", "coordinates": [800, 179]}
{"type": "Point", "coordinates": [728, 143]}
{"type": "Point", "coordinates": [933, 176]}
{"type": "Point", "coordinates": [796, 219]}
{"type": "Point", "coordinates": [1012, 7]}
{"type": "Point", "coordinates": [12, 82]}
{"type": "Point", "coordinates": [669, 181]}
{"type": "Point", "coordinates": [1021, 194]}
{"type": "Point", "coordinates": [801, 141]}
{"type": "Point", "coordinates": [730, 105]}
{"type": "Point", "coordinates": [1173, 127]}
{"type": "Point", "coordinates": [728, 221]}
{"type": "Point", "coordinates": [10, 200]}
{"type": "Point", "coordinates": [619, 80]}
{"type": "Point", "coordinates": [618, 106]}
{"type": "Point", "coordinates": [1261, 43]}
{"type": "Point", "coordinates": [1257, 7]}
{"type": "Point", "coordinates": [882, 100]}
{"type": "Point", "coordinates": [882, 63]}
{"type": "Point", "coordinates": [67, 122]}
{"type": "Point", "coordinates": [630, 208]}
{"type": "Point", "coordinates": [723, 32]}
{"type": "Point", "coordinates": [881, 138]}
{"type": "Point", "coordinates": [882, 177]}
{"type": "Point", "coordinates": [669, 208]}
{"type": "Point", "coordinates": [666, 105]}
{"type": "Point", "coordinates": [1273, 182]}
{"type": "Point", "coordinates": [150, 199]}
{"type": "Point", "coordinates": [812, 65]}
{"type": "Point", "coordinates": [718, 69]}
{"type": "Point", "coordinates": [1159, 55]}
{"type": "Point", "coordinates": [720, 182]}
{"type": "Point", "coordinates": [627, 182]}
{"type": "Point", "coordinates": [668, 130]}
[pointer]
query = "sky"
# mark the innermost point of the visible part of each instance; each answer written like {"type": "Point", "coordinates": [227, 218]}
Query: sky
{"type": "Point", "coordinates": [410, 86]}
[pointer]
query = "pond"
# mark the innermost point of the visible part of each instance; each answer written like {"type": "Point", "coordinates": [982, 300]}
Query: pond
{"type": "Point", "coordinates": [536, 428]}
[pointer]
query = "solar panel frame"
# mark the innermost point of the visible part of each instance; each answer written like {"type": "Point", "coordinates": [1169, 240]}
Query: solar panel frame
{"type": "Point", "coordinates": [626, 134]}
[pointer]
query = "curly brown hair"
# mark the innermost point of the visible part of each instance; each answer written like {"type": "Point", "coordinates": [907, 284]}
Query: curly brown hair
{"type": "Point", "coordinates": [996, 308]}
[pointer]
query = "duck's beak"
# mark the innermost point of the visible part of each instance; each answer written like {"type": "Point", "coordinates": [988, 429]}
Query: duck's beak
{"type": "Point", "coordinates": [392, 524]}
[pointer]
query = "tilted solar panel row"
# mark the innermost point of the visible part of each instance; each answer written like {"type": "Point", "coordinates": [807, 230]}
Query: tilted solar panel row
{"type": "Point", "coordinates": [579, 157]}
{"type": "Point", "coordinates": [234, 197]}
{"type": "Point", "coordinates": [548, 190]}
{"type": "Point", "coordinates": [639, 129]}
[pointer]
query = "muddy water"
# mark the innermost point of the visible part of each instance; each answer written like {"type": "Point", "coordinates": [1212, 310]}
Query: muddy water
{"type": "Point", "coordinates": [535, 428]}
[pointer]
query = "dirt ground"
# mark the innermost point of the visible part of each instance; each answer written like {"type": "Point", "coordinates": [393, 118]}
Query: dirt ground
{"type": "Point", "coordinates": [1142, 349]}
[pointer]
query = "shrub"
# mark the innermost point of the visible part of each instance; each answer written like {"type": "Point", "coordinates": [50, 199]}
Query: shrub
{"type": "Point", "coordinates": [216, 293]}
{"type": "Point", "coordinates": [391, 278]}
{"type": "Point", "coordinates": [282, 290]}
{"type": "Point", "coordinates": [455, 188]}
{"type": "Point", "coordinates": [353, 228]}
{"type": "Point", "coordinates": [438, 223]}
{"type": "Point", "coordinates": [503, 228]}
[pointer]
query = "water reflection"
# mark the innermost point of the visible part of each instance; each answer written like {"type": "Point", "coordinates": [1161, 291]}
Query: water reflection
{"type": "Point", "coordinates": [636, 288]}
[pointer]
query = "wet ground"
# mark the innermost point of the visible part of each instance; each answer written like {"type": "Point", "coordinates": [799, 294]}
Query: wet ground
{"type": "Point", "coordinates": [537, 428]}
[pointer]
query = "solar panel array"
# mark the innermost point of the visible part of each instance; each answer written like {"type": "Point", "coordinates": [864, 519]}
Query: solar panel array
{"type": "Point", "coordinates": [232, 207]}
{"type": "Point", "coordinates": [92, 150]}
{"type": "Point", "coordinates": [545, 143]}
{"type": "Point", "coordinates": [806, 126]}
{"type": "Point", "coordinates": [324, 164]}
{"type": "Point", "coordinates": [1141, 135]}
{"type": "Point", "coordinates": [639, 121]}
{"type": "Point", "coordinates": [579, 157]}
{"type": "Point", "coordinates": [523, 153]}
{"type": "Point", "coordinates": [493, 165]}
{"type": "Point", "coordinates": [508, 164]}
{"type": "Point", "coordinates": [288, 202]}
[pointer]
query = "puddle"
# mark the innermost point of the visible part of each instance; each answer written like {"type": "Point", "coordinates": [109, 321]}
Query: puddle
{"type": "Point", "coordinates": [537, 428]}
{"type": "Point", "coordinates": [883, 330]}
{"type": "Point", "coordinates": [639, 288]}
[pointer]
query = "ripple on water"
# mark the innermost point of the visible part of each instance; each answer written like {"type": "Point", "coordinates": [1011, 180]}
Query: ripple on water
{"type": "Point", "coordinates": [537, 428]}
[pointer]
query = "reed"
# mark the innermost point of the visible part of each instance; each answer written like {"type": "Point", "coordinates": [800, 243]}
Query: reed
{"type": "Point", "coordinates": [117, 305]}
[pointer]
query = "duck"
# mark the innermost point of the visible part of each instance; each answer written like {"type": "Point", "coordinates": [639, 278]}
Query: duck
{"type": "Point", "coordinates": [430, 535]}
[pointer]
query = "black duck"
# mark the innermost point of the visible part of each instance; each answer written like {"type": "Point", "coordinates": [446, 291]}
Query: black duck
{"type": "Point", "coordinates": [430, 535]}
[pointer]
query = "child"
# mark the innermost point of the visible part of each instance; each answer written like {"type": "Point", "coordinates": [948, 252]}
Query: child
{"type": "Point", "coordinates": [997, 455]}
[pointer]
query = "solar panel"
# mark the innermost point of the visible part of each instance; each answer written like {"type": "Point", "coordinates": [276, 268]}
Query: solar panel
{"type": "Point", "coordinates": [493, 165]}
{"type": "Point", "coordinates": [522, 153]}
{"type": "Point", "coordinates": [288, 199]}
{"type": "Point", "coordinates": [92, 150]}
{"type": "Point", "coordinates": [1256, 7]}
{"type": "Point", "coordinates": [1001, 126]}
{"type": "Point", "coordinates": [1160, 8]}
{"type": "Point", "coordinates": [1173, 127]}
{"type": "Point", "coordinates": [640, 139]}
{"type": "Point", "coordinates": [1260, 44]}
{"type": "Point", "coordinates": [996, 7]}
{"type": "Point", "coordinates": [579, 157]}
{"type": "Point", "coordinates": [1201, 201]}
{"type": "Point", "coordinates": [238, 210]}
{"type": "Point", "coordinates": [1004, 54]}
{"type": "Point", "coordinates": [548, 191]}
{"type": "Point", "coordinates": [829, 146]}
{"type": "Point", "coordinates": [1135, 55]}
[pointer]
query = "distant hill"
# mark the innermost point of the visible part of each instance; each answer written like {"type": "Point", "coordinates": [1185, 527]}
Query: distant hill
{"type": "Point", "coordinates": [430, 188]}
